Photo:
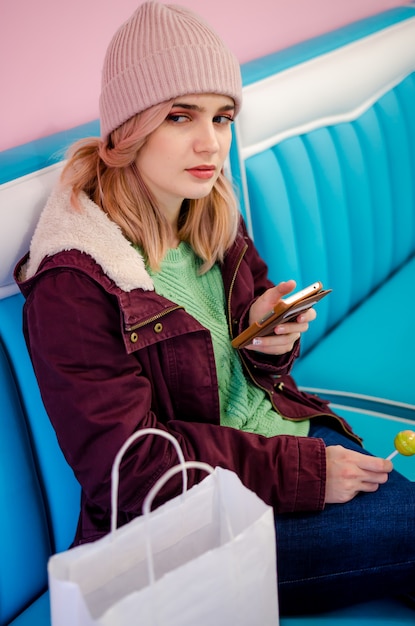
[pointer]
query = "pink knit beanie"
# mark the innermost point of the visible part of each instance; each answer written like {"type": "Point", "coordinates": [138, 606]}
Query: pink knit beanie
{"type": "Point", "coordinates": [161, 52]}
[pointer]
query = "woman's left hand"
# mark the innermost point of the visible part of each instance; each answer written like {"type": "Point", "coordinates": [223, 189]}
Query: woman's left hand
{"type": "Point", "coordinates": [283, 338]}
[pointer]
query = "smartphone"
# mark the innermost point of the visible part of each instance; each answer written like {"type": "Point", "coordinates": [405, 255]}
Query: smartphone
{"type": "Point", "coordinates": [286, 310]}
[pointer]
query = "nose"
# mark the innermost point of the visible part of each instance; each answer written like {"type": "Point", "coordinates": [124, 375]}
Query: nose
{"type": "Point", "coordinates": [207, 139]}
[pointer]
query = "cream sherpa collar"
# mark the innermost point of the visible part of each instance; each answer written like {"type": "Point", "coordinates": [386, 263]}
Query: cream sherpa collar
{"type": "Point", "coordinates": [61, 227]}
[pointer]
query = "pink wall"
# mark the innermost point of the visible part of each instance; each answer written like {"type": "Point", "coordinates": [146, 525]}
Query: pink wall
{"type": "Point", "coordinates": [51, 51]}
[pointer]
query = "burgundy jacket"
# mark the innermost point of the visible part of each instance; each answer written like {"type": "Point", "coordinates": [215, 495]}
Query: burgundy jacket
{"type": "Point", "coordinates": [111, 357]}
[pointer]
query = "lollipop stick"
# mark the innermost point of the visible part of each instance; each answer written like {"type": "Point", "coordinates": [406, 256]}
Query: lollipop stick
{"type": "Point", "coordinates": [390, 457]}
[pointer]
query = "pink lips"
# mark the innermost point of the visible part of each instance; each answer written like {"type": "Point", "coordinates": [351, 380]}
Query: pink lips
{"type": "Point", "coordinates": [203, 171]}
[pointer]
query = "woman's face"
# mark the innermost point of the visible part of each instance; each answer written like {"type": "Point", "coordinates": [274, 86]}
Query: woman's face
{"type": "Point", "coordinates": [184, 156]}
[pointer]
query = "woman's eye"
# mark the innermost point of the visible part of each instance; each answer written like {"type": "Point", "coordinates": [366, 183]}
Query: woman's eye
{"type": "Point", "coordinates": [223, 119]}
{"type": "Point", "coordinates": [180, 118]}
{"type": "Point", "coordinates": [177, 117]}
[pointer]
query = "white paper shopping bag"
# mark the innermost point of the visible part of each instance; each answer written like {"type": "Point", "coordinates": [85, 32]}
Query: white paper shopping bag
{"type": "Point", "coordinates": [205, 558]}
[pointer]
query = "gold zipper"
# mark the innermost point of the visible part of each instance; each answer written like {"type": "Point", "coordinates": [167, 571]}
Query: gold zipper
{"type": "Point", "coordinates": [231, 327]}
{"type": "Point", "coordinates": [154, 317]}
{"type": "Point", "coordinates": [231, 288]}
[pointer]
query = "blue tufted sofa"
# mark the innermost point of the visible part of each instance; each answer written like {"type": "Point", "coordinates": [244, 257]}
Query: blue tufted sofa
{"type": "Point", "coordinates": [324, 161]}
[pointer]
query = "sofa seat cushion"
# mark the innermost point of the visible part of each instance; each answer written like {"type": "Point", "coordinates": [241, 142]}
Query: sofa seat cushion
{"type": "Point", "coordinates": [37, 614]}
{"type": "Point", "coordinates": [371, 353]}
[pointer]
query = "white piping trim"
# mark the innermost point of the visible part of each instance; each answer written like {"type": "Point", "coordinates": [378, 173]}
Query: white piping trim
{"type": "Point", "coordinates": [359, 396]}
{"type": "Point", "coordinates": [328, 89]}
{"type": "Point", "coordinates": [385, 416]}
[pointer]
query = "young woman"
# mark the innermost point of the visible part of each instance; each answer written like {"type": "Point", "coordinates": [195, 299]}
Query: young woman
{"type": "Point", "coordinates": [140, 273]}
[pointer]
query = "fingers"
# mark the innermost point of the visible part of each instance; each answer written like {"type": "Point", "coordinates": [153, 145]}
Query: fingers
{"type": "Point", "coordinates": [307, 316]}
{"type": "Point", "coordinates": [274, 345]}
{"type": "Point", "coordinates": [283, 338]}
{"type": "Point", "coordinates": [282, 289]}
{"type": "Point", "coordinates": [373, 464]}
{"type": "Point", "coordinates": [350, 472]}
{"type": "Point", "coordinates": [270, 297]}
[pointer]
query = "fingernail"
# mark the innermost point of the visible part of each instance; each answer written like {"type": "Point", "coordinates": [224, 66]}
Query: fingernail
{"type": "Point", "coordinates": [256, 342]}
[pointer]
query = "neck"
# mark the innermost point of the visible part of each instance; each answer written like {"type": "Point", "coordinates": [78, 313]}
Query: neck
{"type": "Point", "coordinates": [172, 217]}
{"type": "Point", "coordinates": [174, 241]}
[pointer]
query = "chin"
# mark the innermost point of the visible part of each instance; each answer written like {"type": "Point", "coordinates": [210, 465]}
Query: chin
{"type": "Point", "coordinates": [200, 193]}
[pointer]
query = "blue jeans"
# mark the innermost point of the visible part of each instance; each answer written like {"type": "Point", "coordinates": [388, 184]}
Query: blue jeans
{"type": "Point", "coordinates": [348, 553]}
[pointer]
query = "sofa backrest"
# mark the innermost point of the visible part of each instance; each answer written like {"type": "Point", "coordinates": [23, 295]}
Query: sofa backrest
{"type": "Point", "coordinates": [39, 494]}
{"type": "Point", "coordinates": [324, 160]}
{"type": "Point", "coordinates": [28, 174]}
{"type": "Point", "coordinates": [60, 490]}
{"type": "Point", "coordinates": [24, 538]}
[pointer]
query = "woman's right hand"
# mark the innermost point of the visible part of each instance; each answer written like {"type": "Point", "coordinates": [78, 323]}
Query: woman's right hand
{"type": "Point", "coordinates": [350, 472]}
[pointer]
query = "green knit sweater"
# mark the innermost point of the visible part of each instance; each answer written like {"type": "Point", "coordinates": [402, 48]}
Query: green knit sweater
{"type": "Point", "coordinates": [243, 405]}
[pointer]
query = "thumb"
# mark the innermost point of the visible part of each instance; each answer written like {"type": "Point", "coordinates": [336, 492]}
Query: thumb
{"type": "Point", "coordinates": [271, 296]}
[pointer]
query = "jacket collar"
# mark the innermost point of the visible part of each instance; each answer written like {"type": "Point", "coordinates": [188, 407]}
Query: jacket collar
{"type": "Point", "coordinates": [90, 230]}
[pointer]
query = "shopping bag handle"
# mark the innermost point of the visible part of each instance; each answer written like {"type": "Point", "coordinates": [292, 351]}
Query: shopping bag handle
{"type": "Point", "coordinates": [185, 465]}
{"type": "Point", "coordinates": [115, 472]}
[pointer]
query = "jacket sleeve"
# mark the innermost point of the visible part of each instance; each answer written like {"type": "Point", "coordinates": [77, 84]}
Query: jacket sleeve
{"type": "Point", "coordinates": [96, 396]}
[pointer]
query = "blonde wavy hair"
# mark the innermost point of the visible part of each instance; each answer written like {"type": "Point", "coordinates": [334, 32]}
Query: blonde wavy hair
{"type": "Point", "coordinates": [107, 173]}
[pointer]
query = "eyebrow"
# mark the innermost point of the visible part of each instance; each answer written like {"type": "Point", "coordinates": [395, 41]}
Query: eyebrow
{"type": "Point", "coordinates": [195, 107]}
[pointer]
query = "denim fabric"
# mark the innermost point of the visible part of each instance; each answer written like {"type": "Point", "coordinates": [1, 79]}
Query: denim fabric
{"type": "Point", "coordinates": [361, 550]}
